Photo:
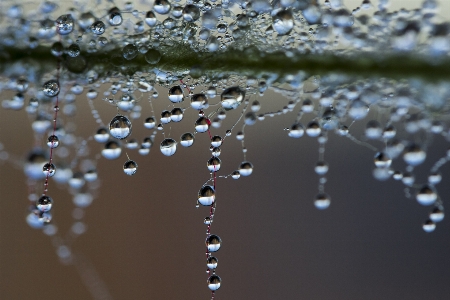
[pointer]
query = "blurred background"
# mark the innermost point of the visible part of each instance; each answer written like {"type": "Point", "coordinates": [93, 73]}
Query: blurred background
{"type": "Point", "coordinates": [145, 237]}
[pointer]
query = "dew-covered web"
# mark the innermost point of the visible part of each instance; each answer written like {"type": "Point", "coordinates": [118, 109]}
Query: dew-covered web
{"type": "Point", "coordinates": [202, 68]}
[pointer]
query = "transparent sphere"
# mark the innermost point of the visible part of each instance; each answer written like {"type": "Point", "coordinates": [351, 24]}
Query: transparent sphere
{"type": "Point", "coordinates": [235, 174]}
{"type": "Point", "coordinates": [130, 167]}
{"type": "Point", "coordinates": [150, 123]}
{"type": "Point", "coordinates": [152, 56]}
{"type": "Point", "coordinates": [176, 94]}
{"type": "Point", "coordinates": [176, 115]}
{"type": "Point", "coordinates": [214, 164]}
{"type": "Point", "coordinates": [283, 22]}
{"type": "Point", "coordinates": [213, 243]}
{"type": "Point", "coordinates": [434, 178]}
{"type": "Point", "coordinates": [216, 151]}
{"type": "Point", "coordinates": [112, 150]}
{"type": "Point", "coordinates": [216, 141]}
{"type": "Point", "coordinates": [426, 195]}
{"type": "Point", "coordinates": [202, 124]}
{"type": "Point", "coordinates": [313, 129]}
{"type": "Point", "coordinates": [150, 18]}
{"type": "Point", "coordinates": [232, 97]}
{"type": "Point", "coordinates": [64, 24]}
{"type": "Point", "coordinates": [53, 141]}
{"type": "Point", "coordinates": [437, 215]}
{"type": "Point", "coordinates": [120, 127]}
{"type": "Point", "coordinates": [206, 195]}
{"type": "Point", "coordinates": [211, 262]}
{"type": "Point", "coordinates": [382, 160]}
{"type": "Point", "coordinates": [101, 135]}
{"type": "Point", "coordinates": [296, 131]}
{"type": "Point", "coordinates": [98, 27]}
{"type": "Point", "coordinates": [187, 139]}
{"type": "Point", "coordinates": [115, 17]}
{"type": "Point", "coordinates": [322, 201]}
{"type": "Point", "coordinates": [321, 168]}
{"type": "Point", "coordinates": [191, 13]}
{"type": "Point", "coordinates": [161, 7]}
{"type": "Point", "coordinates": [429, 226]}
{"type": "Point", "coordinates": [129, 52]}
{"type": "Point", "coordinates": [49, 169]}
{"type": "Point", "coordinates": [51, 88]}
{"type": "Point", "coordinates": [73, 50]}
{"type": "Point", "coordinates": [44, 203]}
{"type": "Point", "coordinates": [214, 282]}
{"type": "Point", "coordinates": [168, 147]}
{"type": "Point", "coordinates": [246, 168]}
{"type": "Point", "coordinates": [199, 101]}
{"type": "Point", "coordinates": [414, 155]}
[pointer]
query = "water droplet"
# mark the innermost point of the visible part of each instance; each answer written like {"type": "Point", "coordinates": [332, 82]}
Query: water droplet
{"type": "Point", "coordinates": [64, 24]}
{"type": "Point", "coordinates": [212, 262]}
{"type": "Point", "coordinates": [283, 22]}
{"type": "Point", "coordinates": [313, 129]}
{"type": "Point", "coordinates": [120, 127]}
{"type": "Point", "coordinates": [191, 13]}
{"type": "Point", "coordinates": [161, 7]}
{"type": "Point", "coordinates": [98, 27]}
{"type": "Point", "coordinates": [112, 150]}
{"type": "Point", "coordinates": [382, 160]}
{"type": "Point", "coordinates": [437, 215]}
{"type": "Point", "coordinates": [168, 147]}
{"type": "Point", "coordinates": [199, 101]}
{"type": "Point", "coordinates": [214, 282]}
{"type": "Point", "coordinates": [150, 123]}
{"type": "Point", "coordinates": [207, 221]}
{"type": "Point", "coordinates": [206, 195]}
{"type": "Point", "coordinates": [129, 52]}
{"type": "Point", "coordinates": [232, 97]}
{"type": "Point", "coordinates": [49, 169]}
{"type": "Point", "coordinates": [202, 124]}
{"type": "Point", "coordinates": [53, 141]}
{"type": "Point", "coordinates": [296, 131]}
{"type": "Point", "coordinates": [236, 174]}
{"type": "Point", "coordinates": [51, 88]}
{"type": "Point", "coordinates": [176, 94]}
{"type": "Point", "coordinates": [321, 168]}
{"type": "Point", "coordinates": [44, 203]}
{"type": "Point", "coordinates": [152, 56]}
{"type": "Point", "coordinates": [101, 135]}
{"type": "Point", "coordinates": [214, 164]}
{"type": "Point", "coordinates": [130, 167]}
{"type": "Point", "coordinates": [429, 226]}
{"type": "Point", "coordinates": [322, 201]}
{"type": "Point", "coordinates": [246, 168]}
{"type": "Point", "coordinates": [414, 155]}
{"type": "Point", "coordinates": [187, 139]}
{"type": "Point", "coordinates": [426, 195]}
{"type": "Point", "coordinates": [115, 17]}
{"type": "Point", "coordinates": [73, 50]}
{"type": "Point", "coordinates": [176, 115]}
{"type": "Point", "coordinates": [213, 243]}
{"type": "Point", "coordinates": [150, 18]}
{"type": "Point", "coordinates": [434, 178]}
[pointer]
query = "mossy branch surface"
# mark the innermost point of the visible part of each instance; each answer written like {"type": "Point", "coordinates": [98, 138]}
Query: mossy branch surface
{"type": "Point", "coordinates": [180, 59]}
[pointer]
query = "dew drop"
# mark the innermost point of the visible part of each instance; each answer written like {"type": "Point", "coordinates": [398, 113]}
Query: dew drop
{"type": "Point", "coordinates": [235, 174]}
{"type": "Point", "coordinates": [168, 147]}
{"type": "Point", "coordinates": [152, 56]}
{"type": "Point", "coordinates": [212, 262]}
{"type": "Point", "coordinates": [213, 243]}
{"type": "Point", "coordinates": [51, 88]}
{"type": "Point", "coordinates": [191, 13]}
{"type": "Point", "coordinates": [429, 226]}
{"type": "Point", "coordinates": [202, 124]}
{"type": "Point", "coordinates": [120, 127]}
{"type": "Point", "coordinates": [296, 131]}
{"type": "Point", "coordinates": [214, 282]}
{"type": "Point", "coordinates": [176, 115]}
{"type": "Point", "coordinates": [44, 203]}
{"type": "Point", "coordinates": [414, 155]}
{"type": "Point", "coordinates": [101, 135]}
{"type": "Point", "coordinates": [112, 150]}
{"type": "Point", "coordinates": [214, 164]}
{"type": "Point", "coordinates": [382, 160]}
{"type": "Point", "coordinates": [161, 7]}
{"type": "Point", "coordinates": [64, 24]}
{"type": "Point", "coordinates": [98, 27]}
{"type": "Point", "coordinates": [206, 195]}
{"type": "Point", "coordinates": [53, 141]}
{"type": "Point", "coordinates": [232, 97]}
{"type": "Point", "coordinates": [187, 139]}
{"type": "Point", "coordinates": [130, 167]}
{"type": "Point", "coordinates": [49, 169]}
{"type": "Point", "coordinates": [199, 101]}
{"type": "Point", "coordinates": [150, 18]}
{"type": "Point", "coordinates": [150, 123]}
{"type": "Point", "coordinates": [246, 168]}
{"type": "Point", "coordinates": [176, 94]}
{"type": "Point", "coordinates": [129, 52]}
{"type": "Point", "coordinates": [426, 195]}
{"type": "Point", "coordinates": [115, 17]}
{"type": "Point", "coordinates": [321, 168]}
{"type": "Point", "coordinates": [322, 201]}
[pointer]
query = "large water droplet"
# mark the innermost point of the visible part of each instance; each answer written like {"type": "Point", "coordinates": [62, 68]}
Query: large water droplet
{"type": "Point", "coordinates": [322, 201]}
{"type": "Point", "coordinates": [214, 282]}
{"type": "Point", "coordinates": [187, 139]}
{"type": "Point", "coordinates": [213, 243]}
{"type": "Point", "coordinates": [199, 101]}
{"type": "Point", "coordinates": [130, 167]}
{"type": "Point", "coordinates": [426, 195]}
{"type": "Point", "coordinates": [202, 124]}
{"type": "Point", "coordinates": [429, 226]}
{"type": "Point", "coordinates": [191, 13]}
{"type": "Point", "coordinates": [51, 88]}
{"type": "Point", "coordinates": [53, 141]}
{"type": "Point", "coordinates": [206, 195]}
{"type": "Point", "coordinates": [64, 24]}
{"type": "Point", "coordinates": [161, 7]}
{"type": "Point", "coordinates": [49, 169]}
{"type": "Point", "coordinates": [44, 203]}
{"type": "Point", "coordinates": [98, 27]}
{"type": "Point", "coordinates": [246, 168]}
{"type": "Point", "coordinates": [176, 94]}
{"type": "Point", "coordinates": [212, 262]}
{"type": "Point", "coordinates": [120, 127]}
{"type": "Point", "coordinates": [214, 164]}
{"type": "Point", "coordinates": [232, 97]}
{"type": "Point", "coordinates": [283, 22]}
{"type": "Point", "coordinates": [115, 17]}
{"type": "Point", "coordinates": [168, 147]}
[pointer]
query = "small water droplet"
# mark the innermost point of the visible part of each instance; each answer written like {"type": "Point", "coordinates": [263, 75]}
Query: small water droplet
{"type": "Point", "coordinates": [130, 167]}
